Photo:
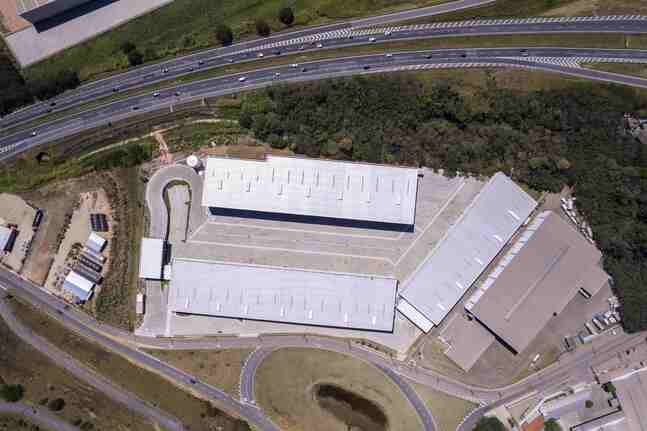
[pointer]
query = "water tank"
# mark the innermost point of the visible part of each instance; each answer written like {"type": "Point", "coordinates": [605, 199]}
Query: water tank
{"type": "Point", "coordinates": [194, 162]}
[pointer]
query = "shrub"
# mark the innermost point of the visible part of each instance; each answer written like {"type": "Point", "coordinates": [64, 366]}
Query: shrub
{"type": "Point", "coordinates": [588, 404]}
{"type": "Point", "coordinates": [262, 28]}
{"type": "Point", "coordinates": [552, 425]}
{"type": "Point", "coordinates": [286, 16]}
{"type": "Point", "coordinates": [224, 34]}
{"type": "Point", "coordinates": [135, 58]}
{"type": "Point", "coordinates": [127, 47]}
{"type": "Point", "coordinates": [489, 424]}
{"type": "Point", "coordinates": [56, 405]}
{"type": "Point", "coordinates": [12, 393]}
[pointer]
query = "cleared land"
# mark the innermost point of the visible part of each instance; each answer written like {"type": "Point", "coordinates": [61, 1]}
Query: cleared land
{"type": "Point", "coordinates": [354, 393]}
{"type": "Point", "coordinates": [196, 414]}
{"type": "Point", "coordinates": [448, 411]}
{"type": "Point", "coordinates": [219, 368]}
{"type": "Point", "coordinates": [44, 381]}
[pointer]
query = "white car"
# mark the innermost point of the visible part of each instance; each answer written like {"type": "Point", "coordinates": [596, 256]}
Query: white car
{"type": "Point", "coordinates": [387, 33]}
{"type": "Point", "coordinates": [33, 133]}
{"type": "Point", "coordinates": [294, 65]}
{"type": "Point", "coordinates": [371, 39]}
{"type": "Point", "coordinates": [388, 55]}
{"type": "Point", "coordinates": [156, 94]}
{"type": "Point", "coordinates": [242, 79]}
{"type": "Point", "coordinates": [320, 45]}
{"type": "Point", "coordinates": [277, 74]}
{"type": "Point", "coordinates": [261, 55]}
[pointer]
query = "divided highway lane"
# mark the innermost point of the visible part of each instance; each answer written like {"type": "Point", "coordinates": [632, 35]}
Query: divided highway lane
{"type": "Point", "coordinates": [333, 36]}
{"type": "Point", "coordinates": [493, 57]}
{"type": "Point", "coordinates": [151, 72]}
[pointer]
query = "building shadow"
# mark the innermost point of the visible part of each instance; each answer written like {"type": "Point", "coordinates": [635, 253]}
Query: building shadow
{"type": "Point", "coordinates": [305, 219]}
{"type": "Point", "coordinates": [71, 14]}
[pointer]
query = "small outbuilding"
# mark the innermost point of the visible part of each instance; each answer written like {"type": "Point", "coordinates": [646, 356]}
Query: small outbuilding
{"type": "Point", "coordinates": [96, 243]}
{"type": "Point", "coordinates": [78, 286]}
{"type": "Point", "coordinates": [151, 258]}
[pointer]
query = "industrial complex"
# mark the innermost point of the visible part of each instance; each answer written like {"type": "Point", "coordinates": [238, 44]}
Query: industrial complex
{"type": "Point", "coordinates": [255, 250]}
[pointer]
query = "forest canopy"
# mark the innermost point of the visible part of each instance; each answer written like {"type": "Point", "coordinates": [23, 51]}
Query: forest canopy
{"type": "Point", "coordinates": [544, 139]}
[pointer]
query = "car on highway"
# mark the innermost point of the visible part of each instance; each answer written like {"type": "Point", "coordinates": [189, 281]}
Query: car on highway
{"type": "Point", "coordinates": [200, 62]}
{"type": "Point", "coordinates": [301, 47]}
{"type": "Point", "coordinates": [176, 94]}
{"type": "Point", "coordinates": [115, 89]}
{"type": "Point", "coordinates": [371, 39]}
{"type": "Point", "coordinates": [277, 52]}
{"type": "Point", "coordinates": [388, 55]}
{"type": "Point", "coordinates": [320, 45]}
{"type": "Point", "coordinates": [367, 67]}
{"type": "Point", "coordinates": [156, 94]}
{"type": "Point", "coordinates": [524, 52]}
{"type": "Point", "coordinates": [428, 56]}
{"type": "Point", "coordinates": [242, 79]}
{"type": "Point", "coordinates": [387, 33]}
{"type": "Point", "coordinates": [229, 60]}
{"type": "Point", "coordinates": [304, 69]}
{"type": "Point", "coordinates": [34, 133]}
{"type": "Point", "coordinates": [276, 75]}
{"type": "Point", "coordinates": [135, 108]}
{"type": "Point", "coordinates": [165, 70]}
{"type": "Point", "coordinates": [294, 65]}
{"type": "Point", "coordinates": [52, 103]}
{"type": "Point", "coordinates": [260, 55]}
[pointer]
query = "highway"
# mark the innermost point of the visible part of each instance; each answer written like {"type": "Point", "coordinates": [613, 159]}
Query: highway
{"type": "Point", "coordinates": [334, 36]}
{"type": "Point", "coordinates": [37, 415]}
{"type": "Point", "coordinates": [551, 59]}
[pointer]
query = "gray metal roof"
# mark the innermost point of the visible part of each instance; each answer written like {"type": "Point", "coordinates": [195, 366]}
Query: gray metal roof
{"type": "Point", "coordinates": [538, 276]}
{"type": "Point", "coordinates": [632, 393]}
{"type": "Point", "coordinates": [500, 208]}
{"type": "Point", "coordinates": [312, 187]}
{"type": "Point", "coordinates": [282, 295]}
{"type": "Point", "coordinates": [467, 340]}
{"type": "Point", "coordinates": [78, 285]}
{"type": "Point", "coordinates": [614, 422]}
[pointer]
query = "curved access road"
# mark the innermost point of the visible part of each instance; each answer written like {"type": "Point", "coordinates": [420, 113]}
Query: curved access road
{"type": "Point", "coordinates": [37, 415]}
{"type": "Point", "coordinates": [85, 374]}
{"type": "Point", "coordinates": [94, 331]}
{"type": "Point", "coordinates": [551, 59]}
{"type": "Point", "coordinates": [334, 36]}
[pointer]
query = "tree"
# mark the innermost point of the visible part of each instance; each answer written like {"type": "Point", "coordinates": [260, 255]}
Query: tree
{"type": "Point", "coordinates": [224, 34]}
{"type": "Point", "coordinates": [552, 425]}
{"type": "Point", "coordinates": [127, 47]}
{"type": "Point", "coordinates": [588, 404]}
{"type": "Point", "coordinates": [262, 28]}
{"type": "Point", "coordinates": [11, 393]}
{"type": "Point", "coordinates": [135, 58]}
{"type": "Point", "coordinates": [56, 405]}
{"type": "Point", "coordinates": [286, 16]}
{"type": "Point", "coordinates": [489, 424]}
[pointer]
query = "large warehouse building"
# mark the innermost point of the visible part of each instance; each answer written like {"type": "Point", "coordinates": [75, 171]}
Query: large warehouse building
{"type": "Point", "coordinates": [535, 279]}
{"type": "Point", "coordinates": [468, 247]}
{"type": "Point", "coordinates": [39, 10]}
{"type": "Point", "coordinates": [282, 295]}
{"type": "Point", "coordinates": [321, 190]}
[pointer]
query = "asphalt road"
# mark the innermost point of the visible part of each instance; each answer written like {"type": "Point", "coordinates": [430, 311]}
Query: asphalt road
{"type": "Point", "coordinates": [332, 36]}
{"type": "Point", "coordinates": [570, 368]}
{"type": "Point", "coordinates": [37, 415]}
{"type": "Point", "coordinates": [548, 59]}
{"type": "Point", "coordinates": [87, 375]}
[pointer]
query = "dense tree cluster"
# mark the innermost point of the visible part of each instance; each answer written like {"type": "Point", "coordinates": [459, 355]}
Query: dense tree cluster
{"type": "Point", "coordinates": [544, 139]}
{"type": "Point", "coordinates": [11, 393]}
{"type": "Point", "coordinates": [489, 424]}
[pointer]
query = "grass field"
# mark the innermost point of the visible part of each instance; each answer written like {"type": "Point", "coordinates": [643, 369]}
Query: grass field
{"type": "Point", "coordinates": [448, 411]}
{"type": "Point", "coordinates": [289, 380]}
{"type": "Point", "coordinates": [44, 381]}
{"type": "Point", "coordinates": [219, 368]}
{"type": "Point", "coordinates": [186, 25]}
{"type": "Point", "coordinates": [196, 414]}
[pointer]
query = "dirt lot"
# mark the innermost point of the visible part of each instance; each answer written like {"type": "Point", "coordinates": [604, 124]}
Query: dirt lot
{"type": "Point", "coordinates": [78, 231]}
{"type": "Point", "coordinates": [290, 397]}
{"type": "Point", "coordinates": [44, 381]}
{"type": "Point", "coordinates": [120, 199]}
{"type": "Point", "coordinates": [15, 211]}
{"type": "Point", "coordinates": [196, 414]}
{"type": "Point", "coordinates": [220, 368]}
{"type": "Point", "coordinates": [448, 411]}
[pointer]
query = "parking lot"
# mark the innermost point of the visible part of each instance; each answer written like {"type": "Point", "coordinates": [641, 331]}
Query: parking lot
{"type": "Point", "coordinates": [440, 201]}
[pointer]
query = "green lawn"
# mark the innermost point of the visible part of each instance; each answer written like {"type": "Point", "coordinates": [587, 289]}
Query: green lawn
{"type": "Point", "coordinates": [186, 25]}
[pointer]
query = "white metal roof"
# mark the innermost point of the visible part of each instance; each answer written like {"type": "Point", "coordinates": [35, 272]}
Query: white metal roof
{"type": "Point", "coordinates": [312, 187]}
{"type": "Point", "coordinates": [282, 295]}
{"type": "Point", "coordinates": [5, 234]}
{"type": "Point", "coordinates": [469, 246]}
{"type": "Point", "coordinates": [95, 242]}
{"type": "Point", "coordinates": [150, 258]}
{"type": "Point", "coordinates": [416, 317]}
{"type": "Point", "coordinates": [78, 285]}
